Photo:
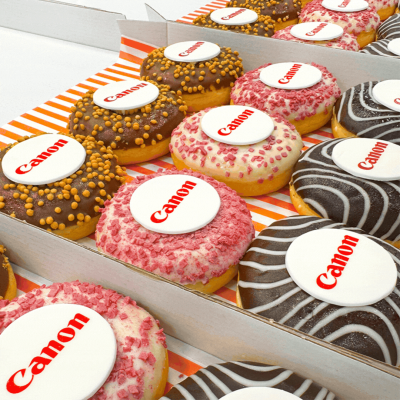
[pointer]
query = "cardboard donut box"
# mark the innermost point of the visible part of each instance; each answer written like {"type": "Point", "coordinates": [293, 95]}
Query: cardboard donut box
{"type": "Point", "coordinates": [206, 323]}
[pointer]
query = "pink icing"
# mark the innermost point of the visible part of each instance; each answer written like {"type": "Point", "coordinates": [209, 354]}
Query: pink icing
{"type": "Point", "coordinates": [355, 23]}
{"type": "Point", "coordinates": [345, 42]}
{"type": "Point", "coordinates": [290, 104]}
{"type": "Point", "coordinates": [136, 355]}
{"type": "Point", "coordinates": [185, 258]}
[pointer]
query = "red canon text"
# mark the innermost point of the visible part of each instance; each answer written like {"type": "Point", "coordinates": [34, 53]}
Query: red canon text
{"type": "Point", "coordinates": [235, 123]}
{"type": "Point", "coordinates": [39, 363]}
{"type": "Point", "coordinates": [234, 14]}
{"type": "Point", "coordinates": [109, 99]}
{"type": "Point", "coordinates": [290, 74]}
{"type": "Point", "coordinates": [373, 157]}
{"type": "Point", "coordinates": [338, 262]}
{"type": "Point", "coordinates": [25, 168]}
{"type": "Point", "coordinates": [191, 49]}
{"type": "Point", "coordinates": [160, 216]}
{"type": "Point", "coordinates": [317, 29]}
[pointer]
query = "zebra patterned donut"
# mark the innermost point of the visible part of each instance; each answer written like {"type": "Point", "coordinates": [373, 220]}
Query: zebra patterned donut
{"type": "Point", "coordinates": [266, 288]}
{"type": "Point", "coordinates": [356, 113]}
{"type": "Point", "coordinates": [218, 380]}
{"type": "Point", "coordinates": [390, 29]}
{"type": "Point", "coordinates": [379, 48]}
{"type": "Point", "coordinates": [319, 187]}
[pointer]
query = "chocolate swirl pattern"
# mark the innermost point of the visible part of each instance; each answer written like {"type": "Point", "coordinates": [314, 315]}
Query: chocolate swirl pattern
{"type": "Point", "coordinates": [359, 113]}
{"type": "Point", "coordinates": [218, 380]}
{"type": "Point", "coordinates": [379, 48]}
{"type": "Point", "coordinates": [390, 29]}
{"type": "Point", "coordinates": [266, 288]}
{"type": "Point", "coordinates": [333, 193]}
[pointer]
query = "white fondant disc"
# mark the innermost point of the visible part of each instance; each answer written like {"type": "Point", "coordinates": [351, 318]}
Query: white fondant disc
{"type": "Point", "coordinates": [388, 94]}
{"type": "Point", "coordinates": [43, 159]}
{"type": "Point", "coordinates": [63, 352]}
{"type": "Point", "coordinates": [394, 46]}
{"type": "Point", "coordinates": [234, 16]}
{"type": "Point", "coordinates": [126, 95]}
{"type": "Point", "coordinates": [192, 51]}
{"type": "Point", "coordinates": [341, 267]}
{"type": "Point", "coordinates": [346, 6]}
{"type": "Point", "coordinates": [316, 31]}
{"type": "Point", "coordinates": [175, 204]}
{"type": "Point", "coordinates": [259, 393]}
{"type": "Point", "coordinates": [373, 159]}
{"type": "Point", "coordinates": [290, 76]}
{"type": "Point", "coordinates": [237, 125]}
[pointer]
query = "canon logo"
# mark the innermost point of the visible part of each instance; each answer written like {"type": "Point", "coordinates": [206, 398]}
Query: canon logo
{"type": "Point", "coordinates": [235, 123]}
{"type": "Point", "coordinates": [329, 280]}
{"type": "Point", "coordinates": [397, 101]}
{"type": "Point", "coordinates": [317, 29]}
{"type": "Point", "coordinates": [373, 157]}
{"type": "Point", "coordinates": [25, 168]}
{"type": "Point", "coordinates": [191, 49]}
{"type": "Point", "coordinates": [125, 92]}
{"type": "Point", "coordinates": [233, 14]}
{"type": "Point", "coordinates": [39, 363]}
{"type": "Point", "coordinates": [344, 4]}
{"type": "Point", "coordinates": [160, 216]}
{"type": "Point", "coordinates": [290, 74]}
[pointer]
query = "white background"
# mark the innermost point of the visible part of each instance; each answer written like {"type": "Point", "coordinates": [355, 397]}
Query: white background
{"type": "Point", "coordinates": [34, 69]}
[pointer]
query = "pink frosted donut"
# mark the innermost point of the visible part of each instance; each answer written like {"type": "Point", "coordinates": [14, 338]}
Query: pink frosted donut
{"type": "Point", "coordinates": [307, 109]}
{"type": "Point", "coordinates": [141, 368]}
{"type": "Point", "coordinates": [204, 260]}
{"type": "Point", "coordinates": [362, 24]}
{"type": "Point", "coordinates": [251, 170]}
{"type": "Point", "coordinates": [384, 8]}
{"type": "Point", "coordinates": [345, 42]}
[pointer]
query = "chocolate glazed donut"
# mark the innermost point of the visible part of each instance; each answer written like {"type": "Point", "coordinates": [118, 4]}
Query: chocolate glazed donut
{"type": "Point", "coordinates": [330, 192]}
{"type": "Point", "coordinates": [71, 202]}
{"type": "Point", "coordinates": [264, 26]}
{"type": "Point", "coordinates": [284, 12]}
{"type": "Point", "coordinates": [135, 136]}
{"type": "Point", "coordinates": [379, 48]}
{"type": "Point", "coordinates": [8, 284]}
{"type": "Point", "coordinates": [390, 29]}
{"type": "Point", "coordinates": [218, 380]}
{"type": "Point", "coordinates": [360, 115]}
{"type": "Point", "coordinates": [266, 288]}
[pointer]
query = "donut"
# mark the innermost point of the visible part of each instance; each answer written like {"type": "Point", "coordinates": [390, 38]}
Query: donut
{"type": "Point", "coordinates": [320, 188]}
{"type": "Point", "coordinates": [264, 26]}
{"type": "Point", "coordinates": [379, 48]}
{"type": "Point", "coordinates": [69, 207]}
{"type": "Point", "coordinates": [362, 24]}
{"type": "Point", "coordinates": [345, 42]}
{"type": "Point", "coordinates": [307, 109]}
{"type": "Point", "coordinates": [8, 284]}
{"type": "Point", "coordinates": [141, 366]}
{"type": "Point", "coordinates": [357, 114]}
{"type": "Point", "coordinates": [203, 260]}
{"type": "Point", "coordinates": [266, 288]}
{"type": "Point", "coordinates": [285, 13]}
{"type": "Point", "coordinates": [201, 84]}
{"type": "Point", "coordinates": [135, 135]}
{"type": "Point", "coordinates": [390, 29]}
{"type": "Point", "coordinates": [218, 380]}
{"type": "Point", "coordinates": [251, 170]}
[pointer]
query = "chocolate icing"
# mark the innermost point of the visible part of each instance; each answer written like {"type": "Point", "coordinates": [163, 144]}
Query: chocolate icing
{"type": "Point", "coordinates": [358, 112]}
{"type": "Point", "coordinates": [3, 272]}
{"type": "Point", "coordinates": [278, 10]}
{"type": "Point", "coordinates": [333, 193]}
{"type": "Point", "coordinates": [264, 26]}
{"type": "Point", "coordinates": [369, 330]}
{"type": "Point", "coordinates": [77, 198]}
{"type": "Point", "coordinates": [134, 129]}
{"type": "Point", "coordinates": [220, 72]}
{"type": "Point", "coordinates": [390, 29]}
{"type": "Point", "coordinates": [379, 48]}
{"type": "Point", "coordinates": [221, 379]}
